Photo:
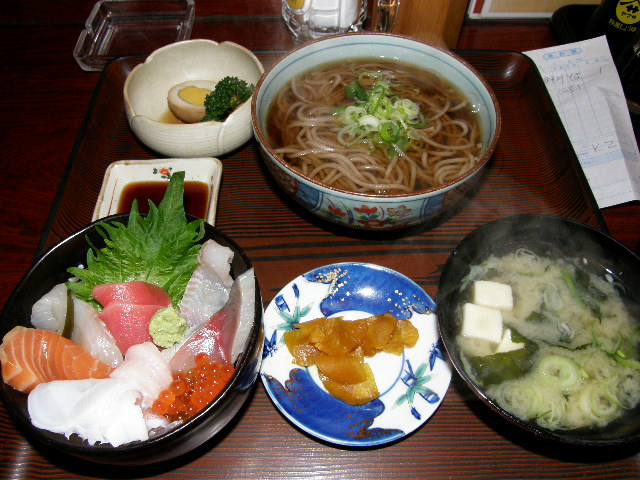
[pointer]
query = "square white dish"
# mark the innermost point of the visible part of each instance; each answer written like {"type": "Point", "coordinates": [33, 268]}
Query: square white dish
{"type": "Point", "coordinates": [120, 174]}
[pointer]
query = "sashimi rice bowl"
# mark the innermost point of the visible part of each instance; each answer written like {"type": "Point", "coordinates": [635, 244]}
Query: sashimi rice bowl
{"type": "Point", "coordinates": [134, 340]}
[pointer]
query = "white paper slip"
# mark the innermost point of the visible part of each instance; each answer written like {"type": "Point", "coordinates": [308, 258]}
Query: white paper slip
{"type": "Point", "coordinates": [584, 85]}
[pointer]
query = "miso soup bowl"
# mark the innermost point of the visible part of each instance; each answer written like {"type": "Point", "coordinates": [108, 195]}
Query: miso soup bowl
{"type": "Point", "coordinates": [147, 87]}
{"type": "Point", "coordinates": [363, 210]}
{"type": "Point", "coordinates": [49, 270]}
{"type": "Point", "coordinates": [558, 237]}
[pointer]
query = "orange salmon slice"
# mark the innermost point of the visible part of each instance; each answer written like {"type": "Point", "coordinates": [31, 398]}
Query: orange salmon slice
{"type": "Point", "coordinates": [31, 356]}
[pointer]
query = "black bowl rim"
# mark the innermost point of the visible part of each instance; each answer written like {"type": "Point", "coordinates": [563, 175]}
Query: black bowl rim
{"type": "Point", "coordinates": [562, 436]}
{"type": "Point", "coordinates": [135, 449]}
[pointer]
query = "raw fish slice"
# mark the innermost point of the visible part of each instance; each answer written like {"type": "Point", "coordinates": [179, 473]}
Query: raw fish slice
{"type": "Point", "coordinates": [247, 285]}
{"type": "Point", "coordinates": [129, 323]}
{"type": "Point", "coordinates": [208, 288]}
{"type": "Point", "coordinates": [98, 410]}
{"type": "Point", "coordinates": [92, 334]}
{"type": "Point", "coordinates": [218, 258]}
{"type": "Point", "coordinates": [138, 292]}
{"type": "Point", "coordinates": [50, 311]}
{"type": "Point", "coordinates": [145, 366]}
{"type": "Point", "coordinates": [214, 338]}
{"type": "Point", "coordinates": [156, 423]}
{"type": "Point", "coordinates": [31, 356]}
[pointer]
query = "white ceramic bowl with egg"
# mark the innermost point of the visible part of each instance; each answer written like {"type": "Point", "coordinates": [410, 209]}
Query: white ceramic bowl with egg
{"type": "Point", "coordinates": [151, 86]}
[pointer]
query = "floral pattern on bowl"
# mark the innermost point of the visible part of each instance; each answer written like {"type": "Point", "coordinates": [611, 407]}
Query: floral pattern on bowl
{"type": "Point", "coordinates": [412, 385]}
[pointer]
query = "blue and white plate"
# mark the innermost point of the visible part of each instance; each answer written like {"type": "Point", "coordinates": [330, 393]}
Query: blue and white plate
{"type": "Point", "coordinates": [411, 385]}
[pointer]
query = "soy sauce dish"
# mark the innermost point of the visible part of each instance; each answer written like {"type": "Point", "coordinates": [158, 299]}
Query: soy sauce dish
{"type": "Point", "coordinates": [540, 317]}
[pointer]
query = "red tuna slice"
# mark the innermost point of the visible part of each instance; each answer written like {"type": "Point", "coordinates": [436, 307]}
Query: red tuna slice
{"type": "Point", "coordinates": [138, 293]}
{"type": "Point", "coordinates": [215, 338]}
{"type": "Point", "coordinates": [129, 323]}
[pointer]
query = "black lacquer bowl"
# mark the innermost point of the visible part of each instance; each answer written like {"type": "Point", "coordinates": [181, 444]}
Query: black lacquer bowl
{"type": "Point", "coordinates": [51, 269]}
{"type": "Point", "coordinates": [555, 235]}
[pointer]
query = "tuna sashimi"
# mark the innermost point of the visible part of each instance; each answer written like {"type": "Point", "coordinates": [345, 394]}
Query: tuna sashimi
{"type": "Point", "coordinates": [92, 334]}
{"type": "Point", "coordinates": [208, 288]}
{"type": "Point", "coordinates": [145, 366]}
{"type": "Point", "coordinates": [138, 292]}
{"type": "Point", "coordinates": [31, 356]}
{"type": "Point", "coordinates": [129, 323]}
{"type": "Point", "coordinates": [99, 410]}
{"type": "Point", "coordinates": [214, 338]}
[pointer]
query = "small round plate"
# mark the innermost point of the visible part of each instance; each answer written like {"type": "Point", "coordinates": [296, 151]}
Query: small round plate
{"type": "Point", "coordinates": [411, 385]}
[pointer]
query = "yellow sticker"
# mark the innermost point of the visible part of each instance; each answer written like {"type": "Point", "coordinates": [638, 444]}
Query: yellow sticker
{"type": "Point", "coordinates": [627, 11]}
{"type": "Point", "coordinates": [296, 4]}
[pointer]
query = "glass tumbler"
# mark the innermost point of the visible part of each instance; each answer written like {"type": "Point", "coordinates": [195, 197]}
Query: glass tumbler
{"type": "Point", "coordinates": [310, 19]}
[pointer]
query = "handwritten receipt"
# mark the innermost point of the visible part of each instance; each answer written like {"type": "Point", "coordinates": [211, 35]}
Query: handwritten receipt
{"type": "Point", "coordinates": [583, 83]}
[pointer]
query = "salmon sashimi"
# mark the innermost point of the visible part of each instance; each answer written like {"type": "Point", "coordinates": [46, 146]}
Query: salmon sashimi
{"type": "Point", "coordinates": [31, 356]}
{"type": "Point", "coordinates": [129, 323]}
{"type": "Point", "coordinates": [138, 293]}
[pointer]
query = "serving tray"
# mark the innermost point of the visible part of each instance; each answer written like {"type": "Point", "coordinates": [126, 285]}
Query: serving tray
{"type": "Point", "coordinates": [533, 170]}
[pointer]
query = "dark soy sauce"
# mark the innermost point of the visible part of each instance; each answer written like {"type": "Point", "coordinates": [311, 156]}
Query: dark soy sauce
{"type": "Point", "coordinates": [196, 196]}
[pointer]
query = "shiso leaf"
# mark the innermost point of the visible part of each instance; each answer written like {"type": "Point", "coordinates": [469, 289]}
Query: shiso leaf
{"type": "Point", "coordinates": [161, 248]}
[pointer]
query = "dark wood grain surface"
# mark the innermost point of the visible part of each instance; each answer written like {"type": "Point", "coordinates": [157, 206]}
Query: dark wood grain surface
{"type": "Point", "coordinates": [60, 128]}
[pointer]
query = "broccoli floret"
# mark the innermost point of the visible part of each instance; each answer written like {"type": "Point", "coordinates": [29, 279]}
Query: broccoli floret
{"type": "Point", "coordinates": [228, 94]}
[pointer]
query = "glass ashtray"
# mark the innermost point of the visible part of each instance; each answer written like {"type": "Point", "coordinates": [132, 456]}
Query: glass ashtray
{"type": "Point", "coordinates": [117, 28]}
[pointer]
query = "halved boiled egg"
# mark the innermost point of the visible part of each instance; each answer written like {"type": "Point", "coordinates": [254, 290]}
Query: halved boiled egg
{"type": "Point", "coordinates": [186, 100]}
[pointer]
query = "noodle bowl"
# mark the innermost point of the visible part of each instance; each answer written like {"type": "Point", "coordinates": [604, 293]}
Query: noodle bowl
{"type": "Point", "coordinates": [359, 129]}
{"type": "Point", "coordinates": [308, 134]}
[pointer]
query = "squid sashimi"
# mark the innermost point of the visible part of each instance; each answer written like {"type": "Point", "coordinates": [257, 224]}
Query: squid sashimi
{"type": "Point", "coordinates": [50, 311]}
{"type": "Point", "coordinates": [129, 323]}
{"type": "Point", "coordinates": [216, 337]}
{"type": "Point", "coordinates": [99, 410]}
{"type": "Point", "coordinates": [136, 292]}
{"type": "Point", "coordinates": [208, 288]}
{"type": "Point", "coordinates": [91, 333]}
{"type": "Point", "coordinates": [31, 356]}
{"type": "Point", "coordinates": [145, 366]}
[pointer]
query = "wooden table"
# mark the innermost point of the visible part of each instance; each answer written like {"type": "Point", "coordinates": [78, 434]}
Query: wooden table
{"type": "Point", "coordinates": [45, 98]}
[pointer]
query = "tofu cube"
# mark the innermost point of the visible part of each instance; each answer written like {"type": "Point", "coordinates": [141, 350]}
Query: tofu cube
{"type": "Point", "coordinates": [506, 344]}
{"type": "Point", "coordinates": [492, 294]}
{"type": "Point", "coordinates": [482, 322]}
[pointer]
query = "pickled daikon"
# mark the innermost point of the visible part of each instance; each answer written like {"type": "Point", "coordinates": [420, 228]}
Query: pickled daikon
{"type": "Point", "coordinates": [338, 348]}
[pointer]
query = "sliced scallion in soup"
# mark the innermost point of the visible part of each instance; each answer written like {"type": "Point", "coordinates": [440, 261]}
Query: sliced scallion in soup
{"type": "Point", "coordinates": [572, 359]}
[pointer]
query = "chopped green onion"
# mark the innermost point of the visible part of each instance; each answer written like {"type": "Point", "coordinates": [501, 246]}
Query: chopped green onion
{"type": "Point", "coordinates": [356, 92]}
{"type": "Point", "coordinates": [560, 371]}
{"type": "Point", "coordinates": [379, 117]}
{"type": "Point", "coordinates": [390, 132]}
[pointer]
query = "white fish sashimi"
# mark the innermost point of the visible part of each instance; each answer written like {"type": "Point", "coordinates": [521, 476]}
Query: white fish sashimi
{"type": "Point", "coordinates": [218, 258]}
{"type": "Point", "coordinates": [102, 410]}
{"type": "Point", "coordinates": [218, 336]}
{"type": "Point", "coordinates": [92, 334]}
{"type": "Point", "coordinates": [50, 311]}
{"type": "Point", "coordinates": [247, 286]}
{"type": "Point", "coordinates": [208, 288]}
{"type": "Point", "coordinates": [145, 366]}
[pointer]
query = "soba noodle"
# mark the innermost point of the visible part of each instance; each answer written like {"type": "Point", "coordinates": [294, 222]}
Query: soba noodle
{"type": "Point", "coordinates": [308, 134]}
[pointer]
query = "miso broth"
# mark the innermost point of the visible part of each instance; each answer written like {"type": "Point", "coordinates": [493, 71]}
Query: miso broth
{"type": "Point", "coordinates": [578, 365]}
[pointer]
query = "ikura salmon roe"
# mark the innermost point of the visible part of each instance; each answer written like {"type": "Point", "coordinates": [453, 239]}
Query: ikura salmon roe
{"type": "Point", "coordinates": [191, 391]}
